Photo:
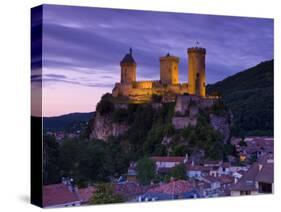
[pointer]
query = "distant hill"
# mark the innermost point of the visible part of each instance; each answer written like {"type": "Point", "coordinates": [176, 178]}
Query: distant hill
{"type": "Point", "coordinates": [68, 122]}
{"type": "Point", "coordinates": [249, 95]}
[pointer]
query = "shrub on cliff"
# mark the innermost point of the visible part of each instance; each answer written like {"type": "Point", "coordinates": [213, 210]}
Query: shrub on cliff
{"type": "Point", "coordinates": [120, 115]}
{"type": "Point", "coordinates": [156, 98]}
{"type": "Point", "coordinates": [105, 106]}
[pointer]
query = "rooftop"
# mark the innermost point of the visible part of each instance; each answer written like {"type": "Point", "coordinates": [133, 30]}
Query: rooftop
{"type": "Point", "coordinates": [261, 172]}
{"type": "Point", "coordinates": [265, 175]}
{"type": "Point", "coordinates": [85, 194]}
{"type": "Point", "coordinates": [128, 58]}
{"type": "Point", "coordinates": [173, 188]}
{"type": "Point", "coordinates": [58, 194]}
{"type": "Point", "coordinates": [167, 159]}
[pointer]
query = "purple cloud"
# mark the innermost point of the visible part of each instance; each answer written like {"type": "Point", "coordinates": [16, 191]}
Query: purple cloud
{"type": "Point", "coordinates": [98, 38]}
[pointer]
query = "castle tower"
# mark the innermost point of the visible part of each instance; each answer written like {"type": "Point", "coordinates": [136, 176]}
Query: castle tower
{"type": "Point", "coordinates": [169, 72]}
{"type": "Point", "coordinates": [128, 68]}
{"type": "Point", "coordinates": [196, 71]}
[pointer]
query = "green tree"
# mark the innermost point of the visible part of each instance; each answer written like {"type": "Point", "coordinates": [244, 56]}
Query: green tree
{"type": "Point", "coordinates": [105, 106]}
{"type": "Point", "coordinates": [145, 170]}
{"type": "Point", "coordinates": [180, 150]}
{"type": "Point", "coordinates": [156, 98]}
{"type": "Point", "coordinates": [86, 161]}
{"type": "Point", "coordinates": [105, 194]}
{"type": "Point", "coordinates": [179, 172]}
{"type": "Point", "coordinates": [51, 169]}
{"type": "Point", "coordinates": [242, 143]}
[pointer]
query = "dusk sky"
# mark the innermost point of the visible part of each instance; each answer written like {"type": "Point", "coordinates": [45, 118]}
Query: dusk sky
{"type": "Point", "coordinates": [83, 46]}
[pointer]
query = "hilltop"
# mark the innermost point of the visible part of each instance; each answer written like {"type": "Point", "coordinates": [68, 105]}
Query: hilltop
{"type": "Point", "coordinates": [249, 95]}
{"type": "Point", "coordinates": [67, 121]}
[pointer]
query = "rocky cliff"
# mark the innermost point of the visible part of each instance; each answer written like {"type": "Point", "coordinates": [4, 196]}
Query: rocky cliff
{"type": "Point", "coordinates": [187, 110]}
{"type": "Point", "coordinates": [103, 127]}
{"type": "Point", "coordinates": [112, 118]}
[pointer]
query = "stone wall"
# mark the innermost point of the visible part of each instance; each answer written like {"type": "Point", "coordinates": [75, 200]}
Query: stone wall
{"type": "Point", "coordinates": [187, 108]}
{"type": "Point", "coordinates": [143, 84]}
{"type": "Point", "coordinates": [184, 101]}
{"type": "Point", "coordinates": [147, 88]}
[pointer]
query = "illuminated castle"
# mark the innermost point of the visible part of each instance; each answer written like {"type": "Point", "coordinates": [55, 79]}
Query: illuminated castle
{"type": "Point", "coordinates": [168, 86]}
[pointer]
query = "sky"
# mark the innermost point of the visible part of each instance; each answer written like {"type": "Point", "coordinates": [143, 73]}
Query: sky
{"type": "Point", "coordinates": [83, 46]}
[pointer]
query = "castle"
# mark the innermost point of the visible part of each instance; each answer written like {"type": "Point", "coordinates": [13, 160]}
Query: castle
{"type": "Point", "coordinates": [168, 86]}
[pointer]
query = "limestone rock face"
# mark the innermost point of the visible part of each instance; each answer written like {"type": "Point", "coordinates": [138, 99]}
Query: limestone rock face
{"type": "Point", "coordinates": [187, 110]}
{"type": "Point", "coordinates": [185, 121]}
{"type": "Point", "coordinates": [103, 127]}
{"type": "Point", "coordinates": [221, 124]}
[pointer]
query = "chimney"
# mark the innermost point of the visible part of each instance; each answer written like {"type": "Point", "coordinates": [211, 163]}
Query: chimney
{"type": "Point", "coordinates": [260, 166]}
{"type": "Point", "coordinates": [186, 158]}
{"type": "Point", "coordinates": [71, 185]}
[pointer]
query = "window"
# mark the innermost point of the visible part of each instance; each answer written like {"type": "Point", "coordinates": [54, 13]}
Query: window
{"type": "Point", "coordinates": [265, 188]}
{"type": "Point", "coordinates": [245, 193]}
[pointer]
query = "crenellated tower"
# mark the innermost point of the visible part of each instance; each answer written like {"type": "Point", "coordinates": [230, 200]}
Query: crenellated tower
{"type": "Point", "coordinates": [128, 68]}
{"type": "Point", "coordinates": [196, 71]}
{"type": "Point", "coordinates": [169, 72]}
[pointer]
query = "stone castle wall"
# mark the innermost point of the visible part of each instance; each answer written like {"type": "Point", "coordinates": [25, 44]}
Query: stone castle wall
{"type": "Point", "coordinates": [187, 108]}
{"type": "Point", "coordinates": [147, 88]}
{"type": "Point", "coordinates": [143, 84]}
{"type": "Point", "coordinates": [169, 79]}
{"type": "Point", "coordinates": [183, 102]}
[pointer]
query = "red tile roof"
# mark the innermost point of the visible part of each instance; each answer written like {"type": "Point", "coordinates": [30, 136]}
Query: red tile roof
{"type": "Point", "coordinates": [241, 172]}
{"type": "Point", "coordinates": [266, 173]}
{"type": "Point", "coordinates": [211, 162]}
{"type": "Point", "coordinates": [58, 194]}
{"type": "Point", "coordinates": [129, 188]}
{"type": "Point", "coordinates": [211, 179]}
{"type": "Point", "coordinates": [85, 194]}
{"type": "Point", "coordinates": [247, 182]}
{"type": "Point", "coordinates": [173, 188]}
{"type": "Point", "coordinates": [226, 165]}
{"type": "Point", "coordinates": [225, 179]}
{"type": "Point", "coordinates": [168, 159]}
{"type": "Point", "coordinates": [191, 167]}
{"type": "Point", "coordinates": [259, 171]}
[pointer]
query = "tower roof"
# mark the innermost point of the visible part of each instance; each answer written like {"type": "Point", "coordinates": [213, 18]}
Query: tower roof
{"type": "Point", "coordinates": [128, 58]}
{"type": "Point", "coordinates": [170, 58]}
{"type": "Point", "coordinates": [196, 50]}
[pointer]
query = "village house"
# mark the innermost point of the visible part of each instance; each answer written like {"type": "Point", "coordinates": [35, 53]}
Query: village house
{"type": "Point", "coordinates": [258, 179]}
{"type": "Point", "coordinates": [211, 167]}
{"type": "Point", "coordinates": [253, 148]}
{"type": "Point", "coordinates": [265, 177]}
{"type": "Point", "coordinates": [224, 169]}
{"type": "Point", "coordinates": [238, 175]}
{"type": "Point", "coordinates": [172, 190]}
{"type": "Point", "coordinates": [213, 181]}
{"type": "Point", "coordinates": [132, 173]}
{"type": "Point", "coordinates": [194, 171]}
{"type": "Point", "coordinates": [60, 195]}
{"type": "Point", "coordinates": [130, 190]}
{"type": "Point", "coordinates": [164, 164]}
{"type": "Point", "coordinates": [226, 182]}
{"type": "Point", "coordinates": [85, 194]}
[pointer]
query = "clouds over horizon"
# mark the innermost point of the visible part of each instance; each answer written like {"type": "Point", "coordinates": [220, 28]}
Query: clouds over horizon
{"type": "Point", "coordinates": [84, 45]}
{"type": "Point", "coordinates": [96, 38]}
